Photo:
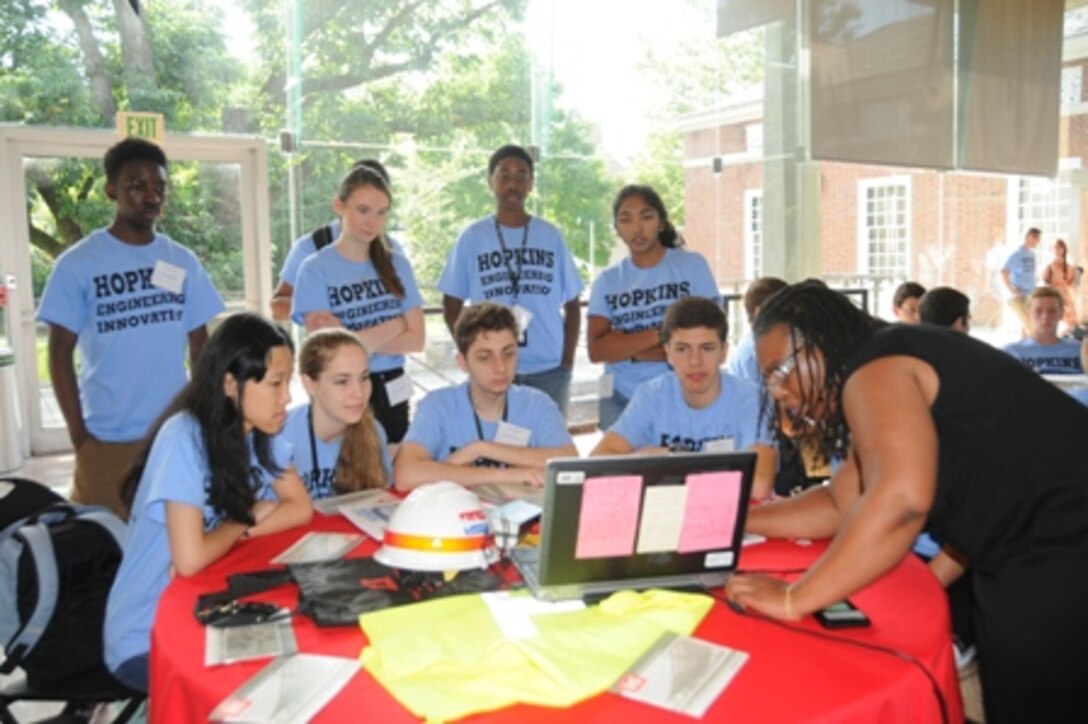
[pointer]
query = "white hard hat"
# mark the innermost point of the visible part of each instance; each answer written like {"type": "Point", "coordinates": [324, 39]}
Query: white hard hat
{"type": "Point", "coordinates": [438, 527]}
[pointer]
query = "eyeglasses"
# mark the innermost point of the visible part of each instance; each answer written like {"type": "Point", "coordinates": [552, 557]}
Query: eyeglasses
{"type": "Point", "coordinates": [778, 376]}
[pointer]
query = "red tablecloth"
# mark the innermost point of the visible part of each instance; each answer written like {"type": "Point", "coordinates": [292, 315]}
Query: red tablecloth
{"type": "Point", "coordinates": [790, 677]}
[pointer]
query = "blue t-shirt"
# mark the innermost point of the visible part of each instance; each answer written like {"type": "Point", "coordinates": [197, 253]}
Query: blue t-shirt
{"type": "Point", "coordinates": [305, 247]}
{"type": "Point", "coordinates": [480, 268]}
{"type": "Point", "coordinates": [633, 299]}
{"type": "Point", "coordinates": [133, 335]}
{"type": "Point", "coordinates": [658, 416]}
{"type": "Point", "coordinates": [1080, 394]}
{"type": "Point", "coordinates": [320, 480]}
{"type": "Point", "coordinates": [445, 420]}
{"type": "Point", "coordinates": [1021, 268]}
{"type": "Point", "coordinates": [177, 471]}
{"type": "Point", "coordinates": [742, 360]}
{"type": "Point", "coordinates": [1060, 358]}
{"type": "Point", "coordinates": [353, 292]}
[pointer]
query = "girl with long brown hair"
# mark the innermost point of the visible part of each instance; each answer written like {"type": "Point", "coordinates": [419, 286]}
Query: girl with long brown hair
{"type": "Point", "coordinates": [360, 283]}
{"type": "Point", "coordinates": [338, 445]}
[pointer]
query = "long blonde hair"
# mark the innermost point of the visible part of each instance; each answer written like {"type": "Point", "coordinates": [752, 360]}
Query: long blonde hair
{"type": "Point", "coordinates": [360, 463]}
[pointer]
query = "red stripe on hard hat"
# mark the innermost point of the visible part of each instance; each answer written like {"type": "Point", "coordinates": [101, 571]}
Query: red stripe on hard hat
{"type": "Point", "coordinates": [433, 544]}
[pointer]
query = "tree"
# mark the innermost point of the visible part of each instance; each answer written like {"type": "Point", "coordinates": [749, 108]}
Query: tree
{"type": "Point", "coordinates": [431, 86]}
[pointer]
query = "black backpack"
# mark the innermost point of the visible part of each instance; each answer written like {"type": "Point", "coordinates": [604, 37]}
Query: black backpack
{"type": "Point", "coordinates": [56, 569]}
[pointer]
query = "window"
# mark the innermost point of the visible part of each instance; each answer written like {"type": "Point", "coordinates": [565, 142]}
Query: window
{"type": "Point", "coordinates": [884, 226]}
{"type": "Point", "coordinates": [753, 233]}
{"type": "Point", "coordinates": [1044, 203]}
{"type": "Point", "coordinates": [1072, 84]}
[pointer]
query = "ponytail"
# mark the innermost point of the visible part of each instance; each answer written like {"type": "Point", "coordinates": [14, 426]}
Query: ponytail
{"type": "Point", "coordinates": [382, 259]}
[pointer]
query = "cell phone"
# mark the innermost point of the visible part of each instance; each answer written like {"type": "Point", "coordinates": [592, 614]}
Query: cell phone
{"type": "Point", "coordinates": [841, 615]}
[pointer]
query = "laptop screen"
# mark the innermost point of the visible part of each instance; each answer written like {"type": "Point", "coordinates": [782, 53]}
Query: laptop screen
{"type": "Point", "coordinates": [664, 518]}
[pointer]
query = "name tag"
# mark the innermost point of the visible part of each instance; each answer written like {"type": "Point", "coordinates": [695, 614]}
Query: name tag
{"type": "Point", "coordinates": [167, 276]}
{"type": "Point", "coordinates": [605, 386]}
{"type": "Point", "coordinates": [523, 317]}
{"type": "Point", "coordinates": [399, 390]}
{"type": "Point", "coordinates": [721, 445]}
{"type": "Point", "coordinates": [511, 434]}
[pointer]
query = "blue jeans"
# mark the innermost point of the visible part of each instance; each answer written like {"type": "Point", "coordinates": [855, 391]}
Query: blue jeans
{"type": "Point", "coordinates": [609, 410]}
{"type": "Point", "coordinates": [555, 383]}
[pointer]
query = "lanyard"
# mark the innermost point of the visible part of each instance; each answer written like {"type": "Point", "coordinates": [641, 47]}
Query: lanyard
{"type": "Point", "coordinates": [476, 418]}
{"type": "Point", "coordinates": [315, 471]}
{"type": "Point", "coordinates": [515, 278]}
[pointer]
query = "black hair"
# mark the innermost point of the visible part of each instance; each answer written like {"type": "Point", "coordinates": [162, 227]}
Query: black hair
{"type": "Point", "coordinates": [130, 149]}
{"type": "Point", "coordinates": [692, 312]}
{"type": "Point", "coordinates": [379, 250]}
{"type": "Point", "coordinates": [943, 306]}
{"type": "Point", "coordinates": [668, 235]}
{"type": "Point", "coordinates": [907, 290]}
{"type": "Point", "coordinates": [824, 320]}
{"type": "Point", "coordinates": [240, 346]}
{"type": "Point", "coordinates": [507, 151]}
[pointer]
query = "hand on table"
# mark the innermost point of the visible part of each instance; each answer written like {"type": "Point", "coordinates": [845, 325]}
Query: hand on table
{"type": "Point", "coordinates": [763, 593]}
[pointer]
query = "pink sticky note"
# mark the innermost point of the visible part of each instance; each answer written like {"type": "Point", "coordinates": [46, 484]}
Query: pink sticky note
{"type": "Point", "coordinates": [710, 514]}
{"type": "Point", "coordinates": [609, 518]}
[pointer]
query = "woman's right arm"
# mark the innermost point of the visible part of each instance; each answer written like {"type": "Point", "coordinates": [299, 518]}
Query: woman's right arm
{"type": "Point", "coordinates": [816, 513]}
{"type": "Point", "coordinates": [606, 344]}
{"type": "Point", "coordinates": [191, 548]}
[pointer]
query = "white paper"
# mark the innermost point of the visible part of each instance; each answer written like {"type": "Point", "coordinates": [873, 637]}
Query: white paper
{"type": "Point", "coordinates": [371, 517]}
{"type": "Point", "coordinates": [290, 689]}
{"type": "Point", "coordinates": [499, 493]}
{"type": "Point", "coordinates": [399, 390]}
{"type": "Point", "coordinates": [319, 547]}
{"type": "Point", "coordinates": [228, 644]}
{"type": "Point", "coordinates": [510, 434]}
{"type": "Point", "coordinates": [167, 276]}
{"type": "Point", "coordinates": [681, 674]}
{"type": "Point", "coordinates": [662, 518]}
{"type": "Point", "coordinates": [523, 317]}
{"type": "Point", "coordinates": [513, 611]}
{"type": "Point", "coordinates": [721, 445]}
{"type": "Point", "coordinates": [373, 496]}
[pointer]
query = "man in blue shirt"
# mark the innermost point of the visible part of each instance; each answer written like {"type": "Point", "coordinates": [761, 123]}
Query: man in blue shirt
{"type": "Point", "coordinates": [695, 407]}
{"type": "Point", "coordinates": [132, 299]}
{"type": "Point", "coordinates": [1044, 351]}
{"type": "Point", "coordinates": [1018, 276]}
{"type": "Point", "coordinates": [485, 430]}
{"type": "Point", "coordinates": [521, 262]}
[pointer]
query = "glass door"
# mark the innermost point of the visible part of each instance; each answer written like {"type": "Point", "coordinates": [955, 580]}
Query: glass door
{"type": "Point", "coordinates": [217, 206]}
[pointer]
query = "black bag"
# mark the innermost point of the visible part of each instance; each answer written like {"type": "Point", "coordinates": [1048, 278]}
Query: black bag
{"type": "Point", "coordinates": [56, 569]}
{"type": "Point", "coordinates": [334, 593]}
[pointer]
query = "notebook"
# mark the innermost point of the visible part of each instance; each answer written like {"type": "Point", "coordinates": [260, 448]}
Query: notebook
{"type": "Point", "coordinates": [612, 523]}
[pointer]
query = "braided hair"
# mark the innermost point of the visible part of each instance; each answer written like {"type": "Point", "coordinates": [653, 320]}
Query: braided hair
{"type": "Point", "coordinates": [824, 320]}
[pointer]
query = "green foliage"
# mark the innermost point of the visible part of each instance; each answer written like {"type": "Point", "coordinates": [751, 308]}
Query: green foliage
{"type": "Point", "coordinates": [431, 87]}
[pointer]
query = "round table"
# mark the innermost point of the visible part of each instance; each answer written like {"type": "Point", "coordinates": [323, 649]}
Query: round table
{"type": "Point", "coordinates": [796, 672]}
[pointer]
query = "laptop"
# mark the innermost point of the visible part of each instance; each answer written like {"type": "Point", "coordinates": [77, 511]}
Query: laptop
{"type": "Point", "coordinates": [637, 522]}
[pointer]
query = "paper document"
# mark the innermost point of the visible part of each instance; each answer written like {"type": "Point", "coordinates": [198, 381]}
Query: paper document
{"type": "Point", "coordinates": [228, 644]}
{"type": "Point", "coordinates": [681, 674]}
{"type": "Point", "coordinates": [319, 547]}
{"type": "Point", "coordinates": [290, 689]}
{"type": "Point", "coordinates": [374, 496]}
{"type": "Point", "coordinates": [371, 516]}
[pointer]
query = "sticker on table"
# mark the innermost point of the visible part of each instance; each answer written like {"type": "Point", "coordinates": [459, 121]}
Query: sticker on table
{"type": "Point", "coordinates": [609, 519]}
{"type": "Point", "coordinates": [710, 511]}
{"type": "Point", "coordinates": [662, 518]}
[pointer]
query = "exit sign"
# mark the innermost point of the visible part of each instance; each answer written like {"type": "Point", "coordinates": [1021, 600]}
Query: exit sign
{"type": "Point", "coordinates": [150, 126]}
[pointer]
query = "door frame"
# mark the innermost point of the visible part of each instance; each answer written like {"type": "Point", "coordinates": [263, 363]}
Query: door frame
{"type": "Point", "coordinates": [18, 143]}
